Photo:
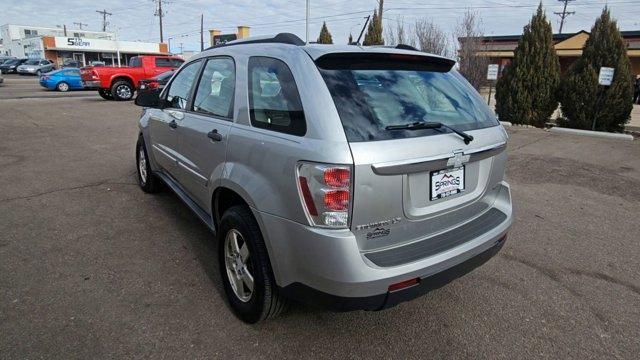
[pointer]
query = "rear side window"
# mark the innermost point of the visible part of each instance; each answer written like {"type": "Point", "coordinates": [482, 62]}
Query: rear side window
{"type": "Point", "coordinates": [170, 63]}
{"type": "Point", "coordinates": [274, 101]}
{"type": "Point", "coordinates": [178, 94]}
{"type": "Point", "coordinates": [214, 95]}
{"type": "Point", "coordinates": [371, 95]}
{"type": "Point", "coordinates": [135, 62]}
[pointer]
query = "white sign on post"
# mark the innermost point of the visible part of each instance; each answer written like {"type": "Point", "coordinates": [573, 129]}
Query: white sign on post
{"type": "Point", "coordinates": [606, 76]}
{"type": "Point", "coordinates": [492, 72]}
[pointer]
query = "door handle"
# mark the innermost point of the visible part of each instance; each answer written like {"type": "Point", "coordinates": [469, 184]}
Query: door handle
{"type": "Point", "coordinates": [214, 135]}
{"type": "Point", "coordinates": [173, 124]}
{"type": "Point", "coordinates": [178, 115]}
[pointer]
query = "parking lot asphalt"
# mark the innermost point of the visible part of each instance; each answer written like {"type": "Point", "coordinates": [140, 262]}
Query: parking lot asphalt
{"type": "Point", "coordinates": [91, 267]}
{"type": "Point", "coordinates": [26, 86]}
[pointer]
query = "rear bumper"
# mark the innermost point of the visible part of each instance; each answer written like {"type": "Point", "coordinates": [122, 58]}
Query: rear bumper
{"type": "Point", "coordinates": [326, 267]}
{"type": "Point", "coordinates": [309, 295]}
{"type": "Point", "coordinates": [91, 85]}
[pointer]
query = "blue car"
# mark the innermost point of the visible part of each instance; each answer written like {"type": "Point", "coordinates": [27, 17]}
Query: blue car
{"type": "Point", "coordinates": [62, 80]}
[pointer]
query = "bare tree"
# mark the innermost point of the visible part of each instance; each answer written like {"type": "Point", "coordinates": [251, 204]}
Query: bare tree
{"type": "Point", "coordinates": [470, 38]}
{"type": "Point", "coordinates": [431, 38]}
{"type": "Point", "coordinates": [399, 34]}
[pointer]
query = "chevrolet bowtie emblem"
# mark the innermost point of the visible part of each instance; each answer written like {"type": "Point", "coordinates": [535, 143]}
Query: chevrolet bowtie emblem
{"type": "Point", "coordinates": [458, 159]}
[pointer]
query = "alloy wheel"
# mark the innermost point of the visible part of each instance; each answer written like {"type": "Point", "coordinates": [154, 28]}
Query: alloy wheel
{"type": "Point", "coordinates": [142, 166]}
{"type": "Point", "coordinates": [123, 91]}
{"type": "Point", "coordinates": [236, 259]}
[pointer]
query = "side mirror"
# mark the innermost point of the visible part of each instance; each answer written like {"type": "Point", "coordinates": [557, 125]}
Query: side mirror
{"type": "Point", "coordinates": [149, 99]}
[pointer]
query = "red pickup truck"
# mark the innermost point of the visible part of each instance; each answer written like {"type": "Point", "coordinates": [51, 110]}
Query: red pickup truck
{"type": "Point", "coordinates": [120, 83]}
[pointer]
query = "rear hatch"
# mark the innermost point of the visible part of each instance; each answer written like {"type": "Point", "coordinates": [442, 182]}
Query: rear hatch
{"type": "Point", "coordinates": [412, 184]}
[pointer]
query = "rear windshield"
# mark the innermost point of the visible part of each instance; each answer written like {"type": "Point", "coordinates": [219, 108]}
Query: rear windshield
{"type": "Point", "coordinates": [32, 62]}
{"type": "Point", "coordinates": [371, 96]}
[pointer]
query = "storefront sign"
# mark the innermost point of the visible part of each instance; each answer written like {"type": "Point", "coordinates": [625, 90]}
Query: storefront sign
{"type": "Point", "coordinates": [223, 38]}
{"type": "Point", "coordinates": [104, 45]}
{"type": "Point", "coordinates": [78, 42]}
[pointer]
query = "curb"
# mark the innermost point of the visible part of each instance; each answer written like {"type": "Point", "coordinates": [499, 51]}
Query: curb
{"type": "Point", "coordinates": [600, 134]}
{"type": "Point", "coordinates": [506, 123]}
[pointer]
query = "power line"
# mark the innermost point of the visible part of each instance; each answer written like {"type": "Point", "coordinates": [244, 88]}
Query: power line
{"type": "Point", "coordinates": [80, 24]}
{"type": "Point", "coordinates": [104, 18]}
{"type": "Point", "coordinates": [563, 15]}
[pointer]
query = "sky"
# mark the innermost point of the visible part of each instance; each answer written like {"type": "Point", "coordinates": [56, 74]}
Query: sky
{"type": "Point", "coordinates": [134, 19]}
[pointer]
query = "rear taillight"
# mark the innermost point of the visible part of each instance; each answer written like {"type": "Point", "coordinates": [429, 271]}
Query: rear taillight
{"type": "Point", "coordinates": [325, 192]}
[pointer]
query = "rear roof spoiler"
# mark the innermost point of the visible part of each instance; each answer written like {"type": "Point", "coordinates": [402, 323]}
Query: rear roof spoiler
{"type": "Point", "coordinates": [384, 61]}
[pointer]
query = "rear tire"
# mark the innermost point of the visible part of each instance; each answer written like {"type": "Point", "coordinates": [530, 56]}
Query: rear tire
{"type": "Point", "coordinates": [62, 86]}
{"type": "Point", "coordinates": [122, 91]}
{"type": "Point", "coordinates": [264, 300]}
{"type": "Point", "coordinates": [105, 94]}
{"type": "Point", "coordinates": [147, 180]}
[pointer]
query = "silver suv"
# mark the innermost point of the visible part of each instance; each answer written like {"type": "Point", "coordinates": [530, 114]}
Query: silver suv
{"type": "Point", "coordinates": [342, 176]}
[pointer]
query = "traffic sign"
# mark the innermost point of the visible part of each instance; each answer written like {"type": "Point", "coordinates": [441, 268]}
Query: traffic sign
{"type": "Point", "coordinates": [492, 72]}
{"type": "Point", "coordinates": [606, 76]}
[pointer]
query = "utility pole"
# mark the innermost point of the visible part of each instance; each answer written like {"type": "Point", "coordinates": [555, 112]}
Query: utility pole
{"type": "Point", "coordinates": [80, 24]}
{"type": "Point", "coordinates": [363, 28]}
{"type": "Point", "coordinates": [104, 18]}
{"type": "Point", "coordinates": [563, 15]}
{"type": "Point", "coordinates": [181, 49]}
{"type": "Point", "coordinates": [201, 32]}
{"type": "Point", "coordinates": [160, 14]}
{"type": "Point", "coordinates": [307, 24]}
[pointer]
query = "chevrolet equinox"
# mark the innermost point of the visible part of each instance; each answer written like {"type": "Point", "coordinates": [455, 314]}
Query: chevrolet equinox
{"type": "Point", "coordinates": [347, 177]}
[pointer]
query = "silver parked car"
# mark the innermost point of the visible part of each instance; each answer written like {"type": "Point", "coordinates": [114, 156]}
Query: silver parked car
{"type": "Point", "coordinates": [36, 67]}
{"type": "Point", "coordinates": [342, 176]}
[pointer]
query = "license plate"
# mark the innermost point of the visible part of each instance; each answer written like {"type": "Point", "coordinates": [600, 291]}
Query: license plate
{"type": "Point", "coordinates": [447, 182]}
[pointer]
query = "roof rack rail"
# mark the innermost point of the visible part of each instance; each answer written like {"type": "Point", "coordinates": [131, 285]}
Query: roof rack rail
{"type": "Point", "coordinates": [281, 38]}
{"type": "Point", "coordinates": [406, 47]}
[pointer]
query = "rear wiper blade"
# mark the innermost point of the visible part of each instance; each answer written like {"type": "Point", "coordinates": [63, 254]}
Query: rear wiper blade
{"type": "Point", "coordinates": [431, 125]}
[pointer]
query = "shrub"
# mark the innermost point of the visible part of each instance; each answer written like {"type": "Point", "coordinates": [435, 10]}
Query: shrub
{"type": "Point", "coordinates": [583, 99]}
{"type": "Point", "coordinates": [527, 91]}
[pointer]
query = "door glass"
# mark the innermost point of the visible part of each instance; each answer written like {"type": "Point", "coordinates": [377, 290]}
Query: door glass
{"type": "Point", "coordinates": [215, 90]}
{"type": "Point", "coordinates": [274, 102]}
{"type": "Point", "coordinates": [178, 95]}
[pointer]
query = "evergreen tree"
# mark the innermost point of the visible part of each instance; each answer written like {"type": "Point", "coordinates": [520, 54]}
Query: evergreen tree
{"type": "Point", "coordinates": [583, 99]}
{"type": "Point", "coordinates": [527, 91]}
{"type": "Point", "coordinates": [374, 31]}
{"type": "Point", "coordinates": [325, 35]}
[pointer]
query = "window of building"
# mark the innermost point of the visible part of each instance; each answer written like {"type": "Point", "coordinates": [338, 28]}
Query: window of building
{"type": "Point", "coordinates": [75, 34]}
{"type": "Point", "coordinates": [274, 101]}
{"type": "Point", "coordinates": [214, 95]}
{"type": "Point", "coordinates": [30, 33]}
{"type": "Point", "coordinates": [178, 95]}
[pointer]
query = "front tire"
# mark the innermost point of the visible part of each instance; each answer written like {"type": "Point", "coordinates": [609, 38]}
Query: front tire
{"type": "Point", "coordinates": [245, 268]}
{"type": "Point", "coordinates": [147, 181]}
{"type": "Point", "coordinates": [122, 91]}
{"type": "Point", "coordinates": [62, 86]}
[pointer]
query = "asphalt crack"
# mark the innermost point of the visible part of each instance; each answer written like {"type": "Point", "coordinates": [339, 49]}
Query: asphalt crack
{"type": "Point", "coordinates": [100, 183]}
